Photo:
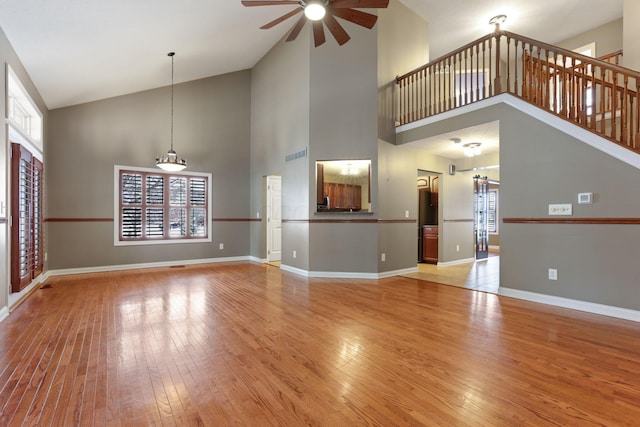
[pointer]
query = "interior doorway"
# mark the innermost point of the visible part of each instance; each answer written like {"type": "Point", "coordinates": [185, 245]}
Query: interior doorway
{"type": "Point", "coordinates": [428, 184]}
{"type": "Point", "coordinates": [274, 218]}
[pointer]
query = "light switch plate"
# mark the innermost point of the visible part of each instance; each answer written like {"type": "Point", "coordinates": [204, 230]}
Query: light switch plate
{"type": "Point", "coordinates": [561, 209]}
{"type": "Point", "coordinates": [585, 198]}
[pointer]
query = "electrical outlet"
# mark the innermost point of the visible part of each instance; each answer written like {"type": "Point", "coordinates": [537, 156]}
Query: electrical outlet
{"type": "Point", "coordinates": [383, 257]}
{"type": "Point", "coordinates": [221, 246]}
{"type": "Point", "coordinates": [406, 214]}
{"type": "Point", "coordinates": [294, 254]}
{"type": "Point", "coordinates": [457, 248]}
{"type": "Point", "coordinates": [257, 214]}
{"type": "Point", "coordinates": [553, 274]}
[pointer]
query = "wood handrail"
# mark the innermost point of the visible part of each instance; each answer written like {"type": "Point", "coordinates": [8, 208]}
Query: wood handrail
{"type": "Point", "coordinates": [445, 56]}
{"type": "Point", "coordinates": [593, 93]}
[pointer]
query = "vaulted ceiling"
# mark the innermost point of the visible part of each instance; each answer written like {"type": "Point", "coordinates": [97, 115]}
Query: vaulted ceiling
{"type": "Point", "coordinates": [86, 50]}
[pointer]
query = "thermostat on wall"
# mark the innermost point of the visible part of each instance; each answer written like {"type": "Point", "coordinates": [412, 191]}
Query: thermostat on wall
{"type": "Point", "coordinates": [585, 198]}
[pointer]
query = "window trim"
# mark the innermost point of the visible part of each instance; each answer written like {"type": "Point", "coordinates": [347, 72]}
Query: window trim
{"type": "Point", "coordinates": [164, 241]}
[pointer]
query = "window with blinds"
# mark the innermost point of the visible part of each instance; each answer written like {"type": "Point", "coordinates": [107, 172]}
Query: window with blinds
{"type": "Point", "coordinates": [162, 207]}
{"type": "Point", "coordinates": [27, 258]}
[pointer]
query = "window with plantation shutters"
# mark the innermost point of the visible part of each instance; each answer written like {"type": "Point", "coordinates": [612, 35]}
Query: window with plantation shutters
{"type": "Point", "coordinates": [26, 217]}
{"type": "Point", "coordinates": [161, 207]}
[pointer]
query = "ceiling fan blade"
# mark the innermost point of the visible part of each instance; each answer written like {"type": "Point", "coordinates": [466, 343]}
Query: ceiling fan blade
{"type": "Point", "coordinates": [282, 18]}
{"type": "Point", "coordinates": [297, 28]}
{"type": "Point", "coordinates": [249, 3]}
{"type": "Point", "coordinates": [372, 4]}
{"type": "Point", "coordinates": [336, 29]}
{"type": "Point", "coordinates": [363, 19]}
{"type": "Point", "coordinates": [318, 33]}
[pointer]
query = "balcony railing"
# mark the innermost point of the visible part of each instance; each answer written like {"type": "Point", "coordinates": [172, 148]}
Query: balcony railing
{"type": "Point", "coordinates": [596, 94]}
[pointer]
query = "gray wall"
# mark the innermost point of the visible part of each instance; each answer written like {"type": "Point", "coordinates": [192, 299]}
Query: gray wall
{"type": "Point", "coordinates": [540, 165]}
{"type": "Point", "coordinates": [631, 34]}
{"type": "Point", "coordinates": [8, 56]}
{"type": "Point", "coordinates": [211, 130]}
{"type": "Point", "coordinates": [596, 263]}
{"type": "Point", "coordinates": [608, 38]}
{"type": "Point", "coordinates": [280, 86]}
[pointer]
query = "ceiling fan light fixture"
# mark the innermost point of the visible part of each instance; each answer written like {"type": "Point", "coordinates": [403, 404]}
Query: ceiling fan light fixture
{"type": "Point", "coordinates": [315, 10]}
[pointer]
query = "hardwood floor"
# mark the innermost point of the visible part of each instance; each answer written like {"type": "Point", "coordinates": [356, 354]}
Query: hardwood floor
{"type": "Point", "coordinates": [483, 275]}
{"type": "Point", "coordinates": [249, 344]}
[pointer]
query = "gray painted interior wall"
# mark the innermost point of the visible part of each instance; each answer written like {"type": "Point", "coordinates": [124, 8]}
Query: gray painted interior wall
{"type": "Point", "coordinates": [607, 37]}
{"type": "Point", "coordinates": [541, 165]}
{"type": "Point", "coordinates": [280, 94]}
{"type": "Point", "coordinates": [631, 34]}
{"type": "Point", "coordinates": [8, 57]}
{"type": "Point", "coordinates": [211, 130]}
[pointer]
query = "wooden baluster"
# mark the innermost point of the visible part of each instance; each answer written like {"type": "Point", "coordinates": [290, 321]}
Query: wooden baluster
{"type": "Point", "coordinates": [509, 65]}
{"type": "Point", "coordinates": [439, 95]}
{"type": "Point", "coordinates": [465, 80]}
{"type": "Point", "coordinates": [424, 92]}
{"type": "Point", "coordinates": [450, 95]}
{"type": "Point", "coordinates": [484, 67]}
{"type": "Point", "coordinates": [623, 113]}
{"type": "Point", "coordinates": [637, 115]}
{"type": "Point", "coordinates": [594, 102]}
{"type": "Point", "coordinates": [614, 104]}
{"type": "Point", "coordinates": [431, 90]}
{"type": "Point", "coordinates": [553, 91]}
{"type": "Point", "coordinates": [518, 91]}
{"type": "Point", "coordinates": [498, 84]}
{"type": "Point", "coordinates": [400, 100]}
{"type": "Point", "coordinates": [477, 70]}
{"type": "Point", "coordinates": [491, 93]}
{"type": "Point", "coordinates": [545, 81]}
{"type": "Point", "coordinates": [406, 99]}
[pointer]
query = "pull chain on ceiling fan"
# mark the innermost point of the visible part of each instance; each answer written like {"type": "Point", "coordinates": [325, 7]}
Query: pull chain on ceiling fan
{"type": "Point", "coordinates": [324, 12]}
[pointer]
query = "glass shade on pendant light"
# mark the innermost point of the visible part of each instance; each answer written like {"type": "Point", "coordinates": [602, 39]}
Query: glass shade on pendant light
{"type": "Point", "coordinates": [315, 10]}
{"type": "Point", "coordinates": [171, 162]}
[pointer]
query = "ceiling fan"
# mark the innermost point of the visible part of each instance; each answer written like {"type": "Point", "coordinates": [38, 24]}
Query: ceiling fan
{"type": "Point", "coordinates": [319, 11]}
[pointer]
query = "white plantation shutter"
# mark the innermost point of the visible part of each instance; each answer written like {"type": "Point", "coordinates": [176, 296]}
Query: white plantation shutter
{"type": "Point", "coordinates": [159, 206]}
{"type": "Point", "coordinates": [26, 212]}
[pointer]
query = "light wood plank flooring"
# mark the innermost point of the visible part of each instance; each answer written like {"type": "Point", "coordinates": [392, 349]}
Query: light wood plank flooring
{"type": "Point", "coordinates": [483, 275]}
{"type": "Point", "coordinates": [248, 344]}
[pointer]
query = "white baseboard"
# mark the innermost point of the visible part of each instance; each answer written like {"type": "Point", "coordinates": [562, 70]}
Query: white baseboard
{"type": "Point", "coordinates": [456, 262]}
{"type": "Point", "coordinates": [16, 297]}
{"type": "Point", "coordinates": [101, 269]}
{"type": "Point", "coordinates": [392, 273]}
{"type": "Point", "coordinates": [346, 274]}
{"type": "Point", "coordinates": [4, 313]}
{"type": "Point", "coordinates": [590, 307]}
{"type": "Point", "coordinates": [258, 260]}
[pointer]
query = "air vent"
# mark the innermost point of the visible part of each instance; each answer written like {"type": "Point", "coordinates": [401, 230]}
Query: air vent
{"type": "Point", "coordinates": [297, 155]}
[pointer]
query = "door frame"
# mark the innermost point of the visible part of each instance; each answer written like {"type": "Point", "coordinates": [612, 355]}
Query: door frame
{"type": "Point", "coordinates": [271, 255]}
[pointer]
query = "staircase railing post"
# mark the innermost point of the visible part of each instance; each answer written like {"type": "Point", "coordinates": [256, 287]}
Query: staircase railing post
{"type": "Point", "coordinates": [497, 84]}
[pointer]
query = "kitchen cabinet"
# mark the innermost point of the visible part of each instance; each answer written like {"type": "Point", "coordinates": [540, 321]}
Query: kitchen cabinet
{"type": "Point", "coordinates": [345, 197]}
{"type": "Point", "coordinates": [430, 244]}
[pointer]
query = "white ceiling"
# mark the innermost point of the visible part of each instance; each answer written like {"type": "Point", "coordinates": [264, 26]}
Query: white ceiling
{"type": "Point", "coordinates": [443, 145]}
{"type": "Point", "coordinates": [80, 51]}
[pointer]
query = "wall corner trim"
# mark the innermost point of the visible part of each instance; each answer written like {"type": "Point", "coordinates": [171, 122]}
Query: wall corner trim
{"type": "Point", "coordinates": [589, 307]}
{"type": "Point", "coordinates": [4, 313]}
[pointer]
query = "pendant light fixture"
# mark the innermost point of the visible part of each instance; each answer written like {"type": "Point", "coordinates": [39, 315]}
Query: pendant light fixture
{"type": "Point", "coordinates": [171, 162]}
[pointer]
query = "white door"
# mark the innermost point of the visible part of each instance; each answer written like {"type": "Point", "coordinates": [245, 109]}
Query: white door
{"type": "Point", "coordinates": [274, 218]}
